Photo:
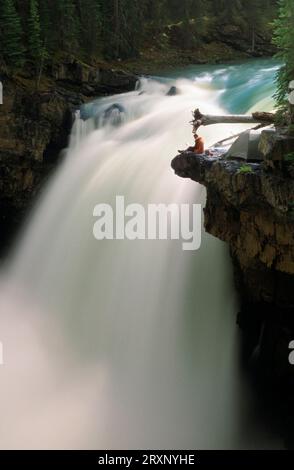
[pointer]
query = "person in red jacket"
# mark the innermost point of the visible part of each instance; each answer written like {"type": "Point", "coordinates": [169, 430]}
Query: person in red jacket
{"type": "Point", "coordinates": [198, 148]}
{"type": "Point", "coordinates": [199, 145]}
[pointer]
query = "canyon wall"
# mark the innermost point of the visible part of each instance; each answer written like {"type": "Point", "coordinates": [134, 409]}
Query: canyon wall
{"type": "Point", "coordinates": [251, 207]}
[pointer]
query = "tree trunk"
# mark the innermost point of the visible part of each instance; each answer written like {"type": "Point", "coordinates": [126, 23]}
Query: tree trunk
{"type": "Point", "coordinates": [253, 40]}
{"type": "Point", "coordinates": [207, 119]}
{"type": "Point", "coordinates": [116, 28]}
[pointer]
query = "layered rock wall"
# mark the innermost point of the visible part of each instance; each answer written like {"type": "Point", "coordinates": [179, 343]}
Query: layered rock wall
{"type": "Point", "coordinates": [252, 209]}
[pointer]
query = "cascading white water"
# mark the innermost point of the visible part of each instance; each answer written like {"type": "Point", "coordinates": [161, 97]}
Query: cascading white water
{"type": "Point", "coordinates": [124, 344]}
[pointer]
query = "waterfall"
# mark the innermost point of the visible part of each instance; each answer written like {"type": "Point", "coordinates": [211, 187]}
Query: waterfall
{"type": "Point", "coordinates": [120, 343]}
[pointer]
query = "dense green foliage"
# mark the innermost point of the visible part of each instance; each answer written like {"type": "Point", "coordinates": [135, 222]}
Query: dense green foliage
{"type": "Point", "coordinates": [33, 29]}
{"type": "Point", "coordinates": [122, 27]}
{"type": "Point", "coordinates": [35, 46]}
{"type": "Point", "coordinates": [284, 39]}
{"type": "Point", "coordinates": [11, 33]}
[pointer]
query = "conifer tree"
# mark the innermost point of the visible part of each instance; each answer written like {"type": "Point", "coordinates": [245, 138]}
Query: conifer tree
{"type": "Point", "coordinates": [67, 18]}
{"type": "Point", "coordinates": [284, 39]}
{"type": "Point", "coordinates": [35, 48]}
{"type": "Point", "coordinates": [122, 30]}
{"type": "Point", "coordinates": [155, 12]}
{"type": "Point", "coordinates": [11, 32]}
{"type": "Point", "coordinates": [254, 16]}
{"type": "Point", "coordinates": [90, 15]}
{"type": "Point", "coordinates": [48, 32]}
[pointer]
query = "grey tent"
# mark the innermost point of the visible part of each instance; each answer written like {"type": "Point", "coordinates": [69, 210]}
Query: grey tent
{"type": "Point", "coordinates": [246, 146]}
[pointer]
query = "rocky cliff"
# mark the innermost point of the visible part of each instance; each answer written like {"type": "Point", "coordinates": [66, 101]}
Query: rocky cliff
{"type": "Point", "coordinates": [34, 127]}
{"type": "Point", "coordinates": [251, 208]}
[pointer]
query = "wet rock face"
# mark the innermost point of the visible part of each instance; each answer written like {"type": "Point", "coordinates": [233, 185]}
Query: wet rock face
{"type": "Point", "coordinates": [34, 128]}
{"type": "Point", "coordinates": [93, 81]}
{"type": "Point", "coordinates": [253, 212]}
{"type": "Point", "coordinates": [239, 39]}
{"type": "Point", "coordinates": [276, 146]}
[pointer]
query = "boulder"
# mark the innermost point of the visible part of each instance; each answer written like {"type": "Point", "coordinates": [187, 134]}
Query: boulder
{"type": "Point", "coordinates": [275, 146]}
{"type": "Point", "coordinates": [173, 91]}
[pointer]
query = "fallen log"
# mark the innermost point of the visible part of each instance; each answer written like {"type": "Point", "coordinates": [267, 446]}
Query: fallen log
{"type": "Point", "coordinates": [207, 119]}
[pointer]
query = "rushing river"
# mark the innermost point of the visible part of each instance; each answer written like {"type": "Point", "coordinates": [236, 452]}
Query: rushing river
{"type": "Point", "coordinates": [120, 343]}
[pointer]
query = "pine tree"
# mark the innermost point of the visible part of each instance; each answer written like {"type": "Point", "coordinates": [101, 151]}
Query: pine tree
{"type": "Point", "coordinates": [122, 28]}
{"type": "Point", "coordinates": [90, 14]}
{"type": "Point", "coordinates": [48, 32]}
{"type": "Point", "coordinates": [67, 18]}
{"type": "Point", "coordinates": [284, 39]}
{"type": "Point", "coordinates": [132, 19]}
{"type": "Point", "coordinates": [155, 13]}
{"type": "Point", "coordinates": [226, 11]}
{"type": "Point", "coordinates": [35, 49]}
{"type": "Point", "coordinates": [254, 16]}
{"type": "Point", "coordinates": [12, 48]}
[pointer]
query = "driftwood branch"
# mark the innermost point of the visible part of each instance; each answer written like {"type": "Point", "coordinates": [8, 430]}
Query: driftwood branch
{"type": "Point", "coordinates": [206, 119]}
{"type": "Point", "coordinates": [227, 139]}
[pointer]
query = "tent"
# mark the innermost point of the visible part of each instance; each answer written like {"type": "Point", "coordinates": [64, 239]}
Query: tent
{"type": "Point", "coordinates": [246, 146]}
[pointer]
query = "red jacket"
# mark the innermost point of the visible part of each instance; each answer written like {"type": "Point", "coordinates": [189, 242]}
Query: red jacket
{"type": "Point", "coordinates": [199, 146]}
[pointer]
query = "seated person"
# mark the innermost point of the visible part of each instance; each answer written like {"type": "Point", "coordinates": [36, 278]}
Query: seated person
{"type": "Point", "coordinates": [198, 148]}
{"type": "Point", "coordinates": [199, 145]}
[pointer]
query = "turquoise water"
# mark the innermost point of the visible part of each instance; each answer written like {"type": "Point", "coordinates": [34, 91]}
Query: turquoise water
{"type": "Point", "coordinates": [242, 84]}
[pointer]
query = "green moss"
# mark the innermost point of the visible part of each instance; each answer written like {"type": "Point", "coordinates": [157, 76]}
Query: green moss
{"type": "Point", "coordinates": [245, 169]}
{"type": "Point", "coordinates": [289, 157]}
{"type": "Point", "coordinates": [281, 117]}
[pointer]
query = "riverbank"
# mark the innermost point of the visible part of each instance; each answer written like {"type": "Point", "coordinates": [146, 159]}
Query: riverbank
{"type": "Point", "coordinates": [216, 44]}
{"type": "Point", "coordinates": [153, 61]}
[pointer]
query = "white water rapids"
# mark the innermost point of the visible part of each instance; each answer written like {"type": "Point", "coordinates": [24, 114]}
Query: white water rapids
{"type": "Point", "coordinates": [125, 344]}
